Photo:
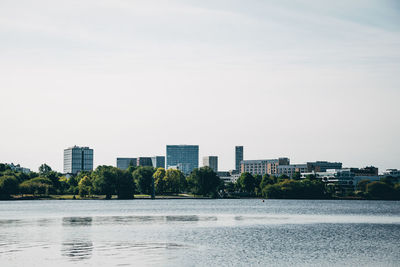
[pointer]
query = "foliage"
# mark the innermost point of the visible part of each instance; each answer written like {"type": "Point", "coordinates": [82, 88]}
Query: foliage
{"type": "Point", "coordinates": [292, 189]}
{"type": "Point", "coordinates": [44, 169]}
{"type": "Point", "coordinates": [85, 186]}
{"type": "Point", "coordinates": [381, 190]}
{"type": "Point", "coordinates": [104, 181]}
{"type": "Point", "coordinates": [144, 179]}
{"type": "Point", "coordinates": [38, 185]}
{"type": "Point", "coordinates": [125, 186]}
{"type": "Point", "coordinates": [169, 181]}
{"type": "Point", "coordinates": [247, 182]}
{"type": "Point", "coordinates": [160, 181]}
{"type": "Point", "coordinates": [204, 181]}
{"type": "Point", "coordinates": [8, 186]}
{"type": "Point", "coordinates": [362, 185]}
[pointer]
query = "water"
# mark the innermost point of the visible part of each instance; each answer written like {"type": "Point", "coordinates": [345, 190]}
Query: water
{"type": "Point", "coordinates": [199, 232]}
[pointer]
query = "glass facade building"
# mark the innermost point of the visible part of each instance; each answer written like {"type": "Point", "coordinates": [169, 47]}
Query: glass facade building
{"type": "Point", "coordinates": [124, 163]}
{"type": "Point", "coordinates": [212, 162]}
{"type": "Point", "coordinates": [238, 157]}
{"type": "Point", "coordinates": [78, 159]}
{"type": "Point", "coordinates": [158, 161]}
{"type": "Point", "coordinates": [144, 161]}
{"type": "Point", "coordinates": [183, 157]}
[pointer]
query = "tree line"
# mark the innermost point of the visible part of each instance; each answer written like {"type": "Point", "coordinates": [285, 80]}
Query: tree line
{"type": "Point", "coordinates": [109, 181]}
{"type": "Point", "coordinates": [283, 187]}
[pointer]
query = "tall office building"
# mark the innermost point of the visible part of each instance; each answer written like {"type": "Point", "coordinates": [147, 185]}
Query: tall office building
{"type": "Point", "coordinates": [124, 163]}
{"type": "Point", "coordinates": [238, 157]}
{"type": "Point", "coordinates": [212, 162]}
{"type": "Point", "coordinates": [158, 161]}
{"type": "Point", "coordinates": [78, 159]}
{"type": "Point", "coordinates": [183, 157]}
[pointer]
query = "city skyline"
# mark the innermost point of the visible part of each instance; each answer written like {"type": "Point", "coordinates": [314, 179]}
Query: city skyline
{"type": "Point", "coordinates": [304, 80]}
{"type": "Point", "coordinates": [201, 160]}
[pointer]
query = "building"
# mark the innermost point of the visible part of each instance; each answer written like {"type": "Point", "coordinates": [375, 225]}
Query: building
{"type": "Point", "coordinates": [18, 168]}
{"type": "Point", "coordinates": [144, 161]}
{"type": "Point", "coordinates": [124, 163]}
{"type": "Point", "coordinates": [367, 171]}
{"type": "Point", "coordinates": [392, 173]}
{"type": "Point", "coordinates": [261, 167]}
{"type": "Point", "coordinates": [212, 162]}
{"type": "Point", "coordinates": [228, 176]}
{"type": "Point", "coordinates": [323, 166]}
{"type": "Point", "coordinates": [158, 162]}
{"type": "Point", "coordinates": [238, 157]}
{"type": "Point", "coordinates": [290, 170]}
{"type": "Point", "coordinates": [345, 179]}
{"type": "Point", "coordinates": [78, 159]}
{"type": "Point", "coordinates": [183, 157]}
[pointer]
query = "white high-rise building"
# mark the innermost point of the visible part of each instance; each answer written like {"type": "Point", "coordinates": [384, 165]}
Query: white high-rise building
{"type": "Point", "coordinates": [78, 159]}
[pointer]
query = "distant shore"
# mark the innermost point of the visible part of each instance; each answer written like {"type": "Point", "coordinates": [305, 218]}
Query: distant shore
{"type": "Point", "coordinates": [136, 197]}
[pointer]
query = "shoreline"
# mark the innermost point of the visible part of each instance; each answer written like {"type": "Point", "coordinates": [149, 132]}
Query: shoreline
{"type": "Point", "coordinates": [167, 197]}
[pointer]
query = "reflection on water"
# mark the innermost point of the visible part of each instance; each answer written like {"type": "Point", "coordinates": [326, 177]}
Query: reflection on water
{"type": "Point", "coordinates": [77, 250]}
{"type": "Point", "coordinates": [187, 218]}
{"type": "Point", "coordinates": [77, 245]}
{"type": "Point", "coordinates": [77, 221]}
{"type": "Point", "coordinates": [199, 232]}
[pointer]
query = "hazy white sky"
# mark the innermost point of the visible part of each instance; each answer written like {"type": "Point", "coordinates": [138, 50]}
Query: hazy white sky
{"type": "Point", "coordinates": [310, 80]}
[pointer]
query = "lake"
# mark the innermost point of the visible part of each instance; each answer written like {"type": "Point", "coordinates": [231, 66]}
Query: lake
{"type": "Point", "coordinates": [187, 232]}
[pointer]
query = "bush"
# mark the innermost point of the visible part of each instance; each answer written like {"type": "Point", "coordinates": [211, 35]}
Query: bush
{"type": "Point", "coordinates": [291, 189]}
{"type": "Point", "coordinates": [381, 190]}
{"type": "Point", "coordinates": [38, 185]}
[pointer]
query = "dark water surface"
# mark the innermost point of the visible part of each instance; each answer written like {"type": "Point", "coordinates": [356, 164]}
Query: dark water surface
{"type": "Point", "coordinates": [246, 232]}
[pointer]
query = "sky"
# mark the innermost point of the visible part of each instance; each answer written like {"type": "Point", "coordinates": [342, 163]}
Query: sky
{"type": "Point", "coordinates": [308, 80]}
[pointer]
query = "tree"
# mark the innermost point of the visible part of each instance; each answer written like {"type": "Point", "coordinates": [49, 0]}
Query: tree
{"type": "Point", "coordinates": [257, 182]}
{"type": "Point", "coordinates": [144, 179]}
{"type": "Point", "coordinates": [160, 181]}
{"type": "Point", "coordinates": [362, 185]}
{"type": "Point", "coordinates": [204, 181]}
{"type": "Point", "coordinates": [125, 185]}
{"type": "Point", "coordinates": [38, 185]}
{"type": "Point", "coordinates": [104, 181]}
{"type": "Point", "coordinates": [297, 176]}
{"type": "Point", "coordinates": [8, 186]}
{"type": "Point", "coordinates": [175, 181]}
{"type": "Point", "coordinates": [291, 189]}
{"type": "Point", "coordinates": [4, 167]}
{"type": "Point", "coordinates": [54, 177]}
{"type": "Point", "coordinates": [44, 169]}
{"type": "Point", "coordinates": [85, 186]}
{"type": "Point", "coordinates": [380, 190]}
{"type": "Point", "coordinates": [247, 182]}
{"type": "Point", "coordinates": [266, 180]}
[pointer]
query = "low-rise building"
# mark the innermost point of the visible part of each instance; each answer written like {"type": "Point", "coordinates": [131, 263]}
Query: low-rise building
{"type": "Point", "coordinates": [345, 178]}
{"type": "Point", "coordinates": [367, 171]}
{"type": "Point", "coordinates": [18, 168]}
{"type": "Point", "coordinates": [261, 167]}
{"type": "Point", "coordinates": [323, 166]}
{"type": "Point", "coordinates": [228, 176]}
{"type": "Point", "coordinates": [290, 170]}
{"type": "Point", "coordinates": [392, 173]}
